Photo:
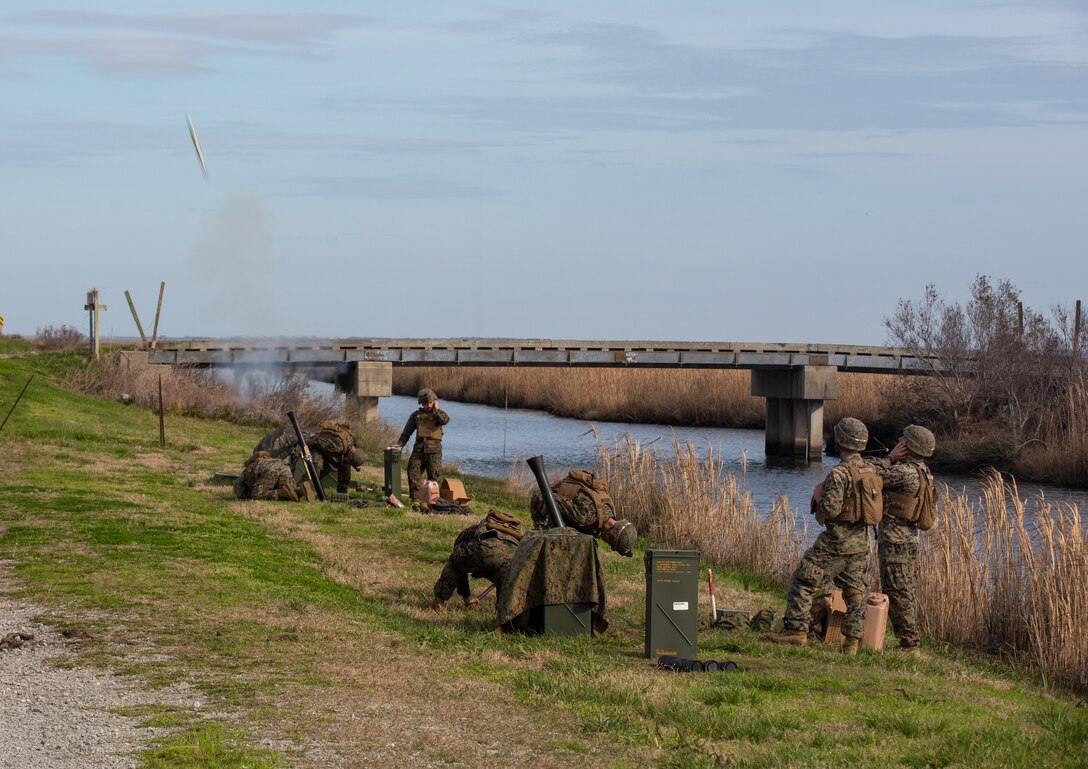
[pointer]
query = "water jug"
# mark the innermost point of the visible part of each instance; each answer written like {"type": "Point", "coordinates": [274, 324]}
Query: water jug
{"type": "Point", "coordinates": [876, 622]}
{"type": "Point", "coordinates": [428, 492]}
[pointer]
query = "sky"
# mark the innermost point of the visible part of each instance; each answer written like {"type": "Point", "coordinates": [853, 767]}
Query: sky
{"type": "Point", "coordinates": [697, 170]}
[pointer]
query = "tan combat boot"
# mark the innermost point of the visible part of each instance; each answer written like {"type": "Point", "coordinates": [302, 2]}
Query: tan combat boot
{"type": "Point", "coordinates": [911, 651]}
{"type": "Point", "coordinates": [792, 637]}
{"type": "Point", "coordinates": [850, 645]}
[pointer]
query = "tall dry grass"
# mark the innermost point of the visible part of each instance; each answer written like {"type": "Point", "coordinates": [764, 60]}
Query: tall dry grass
{"type": "Point", "coordinates": [1063, 457]}
{"type": "Point", "coordinates": [260, 399]}
{"type": "Point", "coordinates": [1009, 575]}
{"type": "Point", "coordinates": [680, 496]}
{"type": "Point", "coordinates": [697, 397]}
{"type": "Point", "coordinates": [999, 573]}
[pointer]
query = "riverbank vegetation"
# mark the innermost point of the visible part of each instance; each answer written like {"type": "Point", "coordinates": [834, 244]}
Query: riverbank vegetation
{"type": "Point", "coordinates": [1008, 388]}
{"type": "Point", "coordinates": [1001, 574]}
{"type": "Point", "coordinates": [303, 632]}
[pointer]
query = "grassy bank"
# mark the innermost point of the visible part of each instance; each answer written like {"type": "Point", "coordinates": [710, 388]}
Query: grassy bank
{"type": "Point", "coordinates": [304, 629]}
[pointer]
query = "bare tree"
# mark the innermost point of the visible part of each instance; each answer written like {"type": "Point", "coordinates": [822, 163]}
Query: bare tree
{"type": "Point", "coordinates": [986, 364]}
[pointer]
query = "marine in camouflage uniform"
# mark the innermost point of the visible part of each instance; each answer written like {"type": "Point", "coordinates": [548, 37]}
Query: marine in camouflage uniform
{"type": "Point", "coordinates": [281, 442]}
{"type": "Point", "coordinates": [426, 422]}
{"type": "Point", "coordinates": [839, 554]}
{"type": "Point", "coordinates": [897, 538]}
{"type": "Point", "coordinates": [585, 504]}
{"type": "Point", "coordinates": [265, 477]}
{"type": "Point", "coordinates": [333, 446]}
{"type": "Point", "coordinates": [483, 550]}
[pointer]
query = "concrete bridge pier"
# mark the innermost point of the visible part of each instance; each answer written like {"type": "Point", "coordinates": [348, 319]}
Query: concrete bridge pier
{"type": "Point", "coordinates": [795, 409]}
{"type": "Point", "coordinates": [363, 383]}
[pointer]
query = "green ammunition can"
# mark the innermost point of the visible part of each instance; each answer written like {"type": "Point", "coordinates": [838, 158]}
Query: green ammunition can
{"type": "Point", "coordinates": [563, 619]}
{"type": "Point", "coordinates": [672, 603]}
{"type": "Point", "coordinates": [392, 472]}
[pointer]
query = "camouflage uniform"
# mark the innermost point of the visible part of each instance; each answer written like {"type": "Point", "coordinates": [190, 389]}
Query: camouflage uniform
{"type": "Point", "coordinates": [427, 451]}
{"type": "Point", "coordinates": [579, 513]}
{"type": "Point", "coordinates": [333, 447]}
{"type": "Point", "coordinates": [264, 477]}
{"type": "Point", "coordinates": [840, 554]}
{"type": "Point", "coordinates": [898, 550]}
{"type": "Point", "coordinates": [479, 551]}
{"type": "Point", "coordinates": [280, 443]}
{"type": "Point", "coordinates": [585, 512]}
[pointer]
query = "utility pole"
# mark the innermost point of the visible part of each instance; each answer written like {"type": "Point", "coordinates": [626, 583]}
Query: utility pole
{"type": "Point", "coordinates": [94, 308]}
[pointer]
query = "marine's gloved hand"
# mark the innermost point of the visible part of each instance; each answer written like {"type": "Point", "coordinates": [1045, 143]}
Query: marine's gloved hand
{"type": "Point", "coordinates": [438, 605]}
{"type": "Point", "coordinates": [471, 602]}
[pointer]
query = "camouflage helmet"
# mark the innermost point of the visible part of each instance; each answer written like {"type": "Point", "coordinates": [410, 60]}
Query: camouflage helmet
{"type": "Point", "coordinates": [621, 536]}
{"type": "Point", "coordinates": [920, 440]}
{"type": "Point", "coordinates": [851, 434]}
{"type": "Point", "coordinates": [426, 395]}
{"type": "Point", "coordinates": [357, 458]}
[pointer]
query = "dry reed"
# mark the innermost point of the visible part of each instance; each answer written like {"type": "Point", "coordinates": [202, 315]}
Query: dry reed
{"type": "Point", "coordinates": [697, 397]}
{"type": "Point", "coordinates": [1009, 575]}
{"type": "Point", "coordinates": [680, 496]}
{"type": "Point", "coordinates": [999, 573]}
{"type": "Point", "coordinates": [260, 399]}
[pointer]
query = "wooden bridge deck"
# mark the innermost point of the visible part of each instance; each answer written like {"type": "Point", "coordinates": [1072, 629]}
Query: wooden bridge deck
{"type": "Point", "coordinates": [536, 352]}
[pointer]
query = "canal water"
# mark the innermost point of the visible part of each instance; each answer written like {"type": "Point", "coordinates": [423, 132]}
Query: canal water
{"type": "Point", "coordinates": [489, 441]}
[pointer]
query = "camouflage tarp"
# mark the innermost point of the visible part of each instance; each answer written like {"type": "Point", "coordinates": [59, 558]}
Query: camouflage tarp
{"type": "Point", "coordinates": [553, 567]}
{"type": "Point", "coordinates": [281, 442]}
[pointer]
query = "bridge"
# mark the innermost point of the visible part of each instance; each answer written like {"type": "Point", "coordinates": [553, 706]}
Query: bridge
{"type": "Point", "coordinates": [795, 379]}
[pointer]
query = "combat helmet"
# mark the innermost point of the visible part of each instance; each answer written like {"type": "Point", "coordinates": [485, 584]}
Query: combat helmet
{"type": "Point", "coordinates": [621, 536]}
{"type": "Point", "coordinates": [851, 434]}
{"type": "Point", "coordinates": [920, 440]}
{"type": "Point", "coordinates": [426, 395]}
{"type": "Point", "coordinates": [357, 458]}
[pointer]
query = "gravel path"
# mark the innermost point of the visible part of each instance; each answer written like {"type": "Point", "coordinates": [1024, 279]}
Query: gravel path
{"type": "Point", "coordinates": [57, 718]}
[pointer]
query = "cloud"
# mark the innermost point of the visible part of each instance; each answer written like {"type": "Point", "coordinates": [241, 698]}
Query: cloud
{"type": "Point", "coordinates": [171, 45]}
{"type": "Point", "coordinates": [835, 81]}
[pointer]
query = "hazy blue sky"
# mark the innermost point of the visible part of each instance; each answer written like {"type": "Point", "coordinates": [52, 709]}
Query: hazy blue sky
{"type": "Point", "coordinates": [692, 169]}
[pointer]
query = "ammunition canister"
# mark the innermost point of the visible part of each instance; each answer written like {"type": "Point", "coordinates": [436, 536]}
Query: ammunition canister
{"type": "Point", "coordinates": [672, 603]}
{"type": "Point", "coordinates": [391, 487]}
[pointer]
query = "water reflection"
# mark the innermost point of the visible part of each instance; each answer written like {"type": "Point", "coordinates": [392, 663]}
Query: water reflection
{"type": "Point", "coordinates": [488, 441]}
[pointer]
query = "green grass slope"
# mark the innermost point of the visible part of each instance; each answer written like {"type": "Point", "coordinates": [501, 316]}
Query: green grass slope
{"type": "Point", "coordinates": [305, 629]}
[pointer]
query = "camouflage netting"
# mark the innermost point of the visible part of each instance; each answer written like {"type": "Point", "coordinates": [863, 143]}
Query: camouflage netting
{"type": "Point", "coordinates": [554, 567]}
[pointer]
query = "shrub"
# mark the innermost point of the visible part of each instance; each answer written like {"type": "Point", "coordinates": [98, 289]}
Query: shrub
{"type": "Point", "coordinates": [63, 338]}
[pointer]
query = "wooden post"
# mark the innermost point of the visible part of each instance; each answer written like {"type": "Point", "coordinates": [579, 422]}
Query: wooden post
{"type": "Point", "coordinates": [135, 317]}
{"type": "Point", "coordinates": [94, 308]}
{"type": "Point", "coordinates": [162, 423]}
{"type": "Point", "coordinates": [158, 309]}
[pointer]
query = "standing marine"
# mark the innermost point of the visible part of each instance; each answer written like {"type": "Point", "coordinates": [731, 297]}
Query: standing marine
{"type": "Point", "coordinates": [426, 422]}
{"type": "Point", "coordinates": [910, 505]}
{"type": "Point", "coordinates": [483, 550]}
{"type": "Point", "coordinates": [847, 502]}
